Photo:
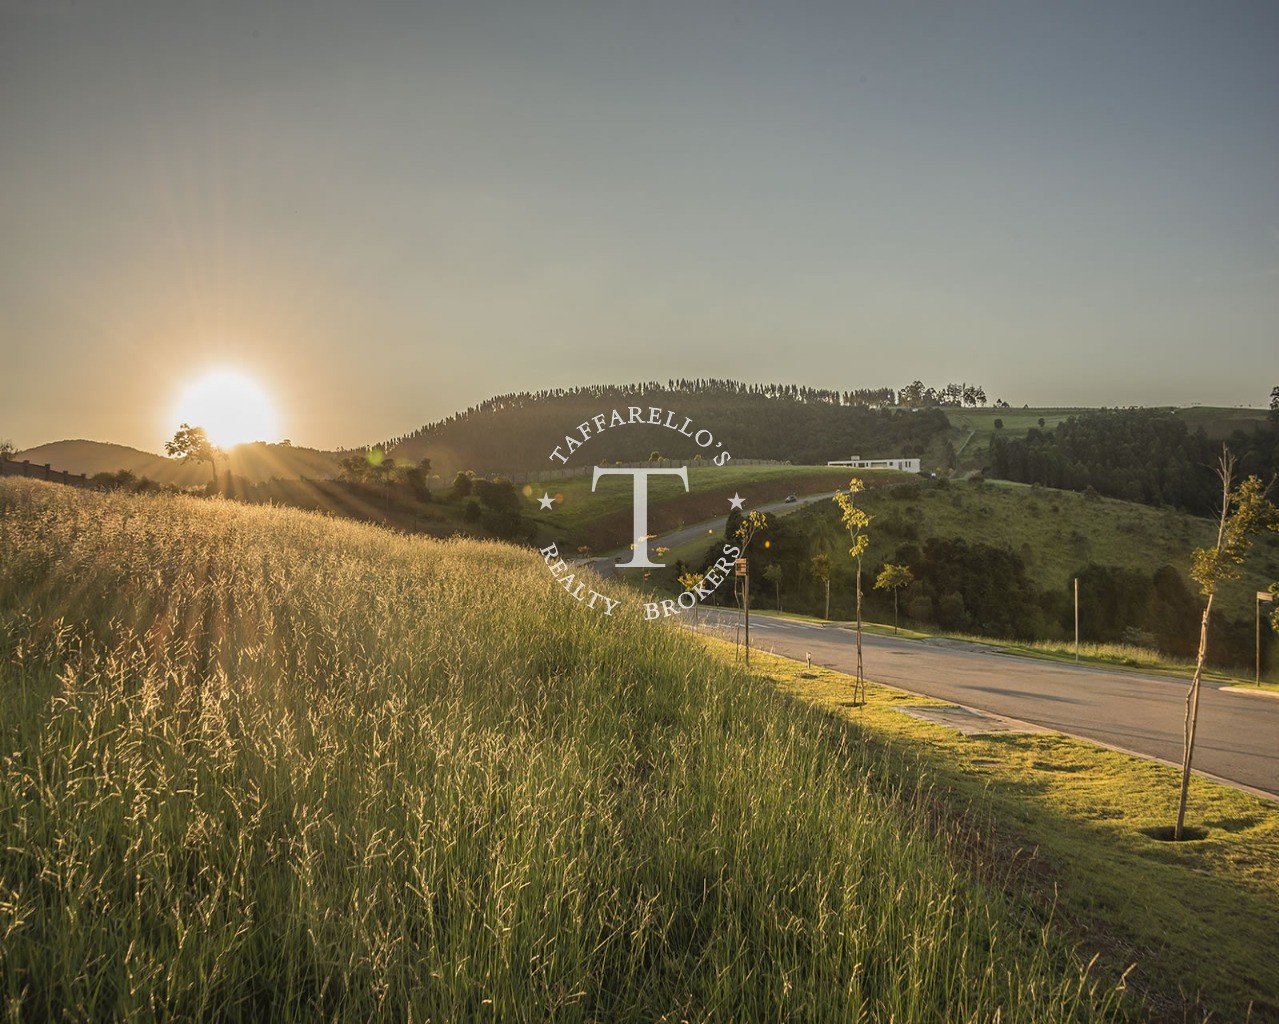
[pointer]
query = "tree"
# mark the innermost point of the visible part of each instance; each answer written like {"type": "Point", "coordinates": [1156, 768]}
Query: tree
{"type": "Point", "coordinates": [819, 566]}
{"type": "Point", "coordinates": [912, 393]}
{"type": "Point", "coordinates": [748, 526]}
{"type": "Point", "coordinates": [856, 521]}
{"type": "Point", "coordinates": [384, 470]}
{"type": "Point", "coordinates": [7, 450]}
{"type": "Point", "coordinates": [774, 576]}
{"type": "Point", "coordinates": [1244, 511]}
{"type": "Point", "coordinates": [192, 444]}
{"type": "Point", "coordinates": [1274, 403]}
{"type": "Point", "coordinates": [689, 580]}
{"type": "Point", "coordinates": [416, 477]}
{"type": "Point", "coordinates": [463, 484]}
{"type": "Point", "coordinates": [894, 578]}
{"type": "Point", "coordinates": [354, 469]}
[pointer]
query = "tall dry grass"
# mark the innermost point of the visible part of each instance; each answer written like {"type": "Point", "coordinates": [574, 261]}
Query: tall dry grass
{"type": "Point", "coordinates": [259, 764]}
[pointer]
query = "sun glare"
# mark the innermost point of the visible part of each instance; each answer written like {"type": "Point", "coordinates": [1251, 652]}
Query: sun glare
{"type": "Point", "coordinates": [231, 407]}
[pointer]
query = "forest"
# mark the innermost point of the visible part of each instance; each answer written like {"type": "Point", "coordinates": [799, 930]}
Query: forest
{"type": "Point", "coordinates": [515, 433]}
{"type": "Point", "coordinates": [1143, 455]}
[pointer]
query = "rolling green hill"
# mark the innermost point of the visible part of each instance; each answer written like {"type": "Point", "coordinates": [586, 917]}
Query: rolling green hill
{"type": "Point", "coordinates": [1004, 555]}
{"type": "Point", "coordinates": [515, 434]}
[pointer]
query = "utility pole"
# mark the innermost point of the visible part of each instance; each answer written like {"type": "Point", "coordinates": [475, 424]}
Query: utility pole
{"type": "Point", "coordinates": [1262, 595]}
{"type": "Point", "coordinates": [1076, 620]}
{"type": "Point", "coordinates": [740, 568]}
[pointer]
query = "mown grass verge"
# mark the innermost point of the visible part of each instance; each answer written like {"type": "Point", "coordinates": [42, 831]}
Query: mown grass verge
{"type": "Point", "coordinates": [1197, 919]}
{"type": "Point", "coordinates": [256, 764]}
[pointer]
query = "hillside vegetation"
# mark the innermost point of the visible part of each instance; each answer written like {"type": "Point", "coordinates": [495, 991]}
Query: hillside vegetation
{"type": "Point", "coordinates": [258, 764]}
{"type": "Point", "coordinates": [516, 433]}
{"type": "Point", "coordinates": [997, 559]}
{"type": "Point", "coordinates": [1146, 455]}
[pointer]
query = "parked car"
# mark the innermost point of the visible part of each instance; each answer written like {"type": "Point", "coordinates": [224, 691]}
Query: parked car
{"type": "Point", "coordinates": [790, 498]}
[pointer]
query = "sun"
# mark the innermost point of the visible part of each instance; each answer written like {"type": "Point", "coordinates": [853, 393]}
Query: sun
{"type": "Point", "coordinates": [231, 407]}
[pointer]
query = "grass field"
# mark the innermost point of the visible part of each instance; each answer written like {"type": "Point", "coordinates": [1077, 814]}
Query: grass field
{"type": "Point", "coordinates": [1195, 921]}
{"type": "Point", "coordinates": [259, 764]}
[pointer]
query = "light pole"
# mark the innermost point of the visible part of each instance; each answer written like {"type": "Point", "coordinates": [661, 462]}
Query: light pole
{"type": "Point", "coordinates": [1076, 620]}
{"type": "Point", "coordinates": [1262, 595]}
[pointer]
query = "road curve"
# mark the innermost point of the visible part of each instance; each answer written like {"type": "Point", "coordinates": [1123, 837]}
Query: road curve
{"type": "Point", "coordinates": [1237, 738]}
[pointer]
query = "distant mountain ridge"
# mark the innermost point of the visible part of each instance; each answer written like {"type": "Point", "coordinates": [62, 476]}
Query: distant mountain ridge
{"type": "Point", "coordinates": [256, 462]}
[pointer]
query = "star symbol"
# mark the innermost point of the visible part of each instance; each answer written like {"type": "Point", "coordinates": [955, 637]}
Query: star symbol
{"type": "Point", "coordinates": [546, 501]}
{"type": "Point", "coordinates": [737, 501]}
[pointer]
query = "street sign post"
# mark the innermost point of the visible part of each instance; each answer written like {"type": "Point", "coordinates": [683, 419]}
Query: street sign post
{"type": "Point", "coordinates": [1262, 595]}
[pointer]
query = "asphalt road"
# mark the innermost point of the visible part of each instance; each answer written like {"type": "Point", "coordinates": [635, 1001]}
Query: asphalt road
{"type": "Point", "coordinates": [1237, 738]}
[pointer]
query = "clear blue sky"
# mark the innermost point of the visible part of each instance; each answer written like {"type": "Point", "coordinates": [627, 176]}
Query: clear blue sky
{"type": "Point", "coordinates": [385, 212]}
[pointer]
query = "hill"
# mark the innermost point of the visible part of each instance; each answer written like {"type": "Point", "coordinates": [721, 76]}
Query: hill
{"type": "Point", "coordinates": [260, 764]}
{"type": "Point", "coordinates": [998, 560]}
{"type": "Point", "coordinates": [515, 434]}
{"type": "Point", "coordinates": [254, 463]}
{"type": "Point", "coordinates": [972, 431]}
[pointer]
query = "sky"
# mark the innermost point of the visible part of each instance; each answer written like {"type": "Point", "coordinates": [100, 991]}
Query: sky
{"type": "Point", "coordinates": [386, 212]}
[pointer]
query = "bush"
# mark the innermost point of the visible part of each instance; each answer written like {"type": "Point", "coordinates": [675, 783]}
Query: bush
{"type": "Point", "coordinates": [951, 613]}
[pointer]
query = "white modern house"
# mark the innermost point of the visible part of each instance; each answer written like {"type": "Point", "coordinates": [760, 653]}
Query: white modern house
{"type": "Point", "coordinates": [905, 465]}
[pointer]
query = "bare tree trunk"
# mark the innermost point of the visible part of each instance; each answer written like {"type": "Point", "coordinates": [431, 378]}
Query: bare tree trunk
{"type": "Point", "coordinates": [1192, 696]}
{"type": "Point", "coordinates": [1192, 720]}
{"type": "Point", "coordinates": [859, 696]}
{"type": "Point", "coordinates": [827, 598]}
{"type": "Point", "coordinates": [894, 611]}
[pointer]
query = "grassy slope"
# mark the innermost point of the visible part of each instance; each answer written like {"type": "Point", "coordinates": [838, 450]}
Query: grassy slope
{"type": "Point", "coordinates": [259, 764]}
{"type": "Point", "coordinates": [1197, 919]}
{"type": "Point", "coordinates": [980, 424]}
{"type": "Point", "coordinates": [1057, 532]}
